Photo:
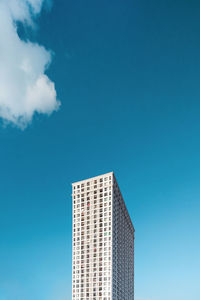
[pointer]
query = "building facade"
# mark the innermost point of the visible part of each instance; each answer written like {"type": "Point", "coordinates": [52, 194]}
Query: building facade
{"type": "Point", "coordinates": [103, 241]}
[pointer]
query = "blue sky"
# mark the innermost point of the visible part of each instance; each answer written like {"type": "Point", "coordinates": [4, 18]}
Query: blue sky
{"type": "Point", "coordinates": [127, 75]}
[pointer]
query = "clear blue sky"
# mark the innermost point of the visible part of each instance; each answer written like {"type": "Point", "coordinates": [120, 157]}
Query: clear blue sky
{"type": "Point", "coordinates": [128, 76]}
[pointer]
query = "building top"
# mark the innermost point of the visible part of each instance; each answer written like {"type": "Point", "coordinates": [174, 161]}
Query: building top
{"type": "Point", "coordinates": [93, 178]}
{"type": "Point", "coordinates": [114, 181]}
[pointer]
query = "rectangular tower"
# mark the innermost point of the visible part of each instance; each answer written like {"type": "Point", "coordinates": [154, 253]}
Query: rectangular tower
{"type": "Point", "coordinates": [103, 241]}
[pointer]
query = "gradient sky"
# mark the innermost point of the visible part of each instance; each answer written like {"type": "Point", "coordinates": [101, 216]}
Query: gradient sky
{"type": "Point", "coordinates": [128, 76]}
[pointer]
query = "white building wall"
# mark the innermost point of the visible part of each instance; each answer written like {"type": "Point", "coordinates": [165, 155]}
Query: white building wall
{"type": "Point", "coordinates": [123, 249]}
{"type": "Point", "coordinates": [103, 241]}
{"type": "Point", "coordinates": [92, 238]}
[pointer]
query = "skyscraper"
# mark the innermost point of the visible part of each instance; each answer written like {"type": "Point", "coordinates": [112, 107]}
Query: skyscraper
{"type": "Point", "coordinates": [103, 241]}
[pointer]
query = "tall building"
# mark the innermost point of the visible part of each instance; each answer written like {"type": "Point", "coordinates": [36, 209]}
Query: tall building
{"type": "Point", "coordinates": [103, 241]}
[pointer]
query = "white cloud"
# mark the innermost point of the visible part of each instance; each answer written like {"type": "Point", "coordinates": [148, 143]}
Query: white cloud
{"type": "Point", "coordinates": [24, 87]}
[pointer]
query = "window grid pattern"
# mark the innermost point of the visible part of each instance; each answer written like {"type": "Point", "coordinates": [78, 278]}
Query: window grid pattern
{"type": "Point", "coordinates": [103, 241]}
{"type": "Point", "coordinates": [92, 239]}
{"type": "Point", "coordinates": [123, 249]}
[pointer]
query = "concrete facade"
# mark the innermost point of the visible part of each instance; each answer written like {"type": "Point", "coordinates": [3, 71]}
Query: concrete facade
{"type": "Point", "coordinates": [103, 241]}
